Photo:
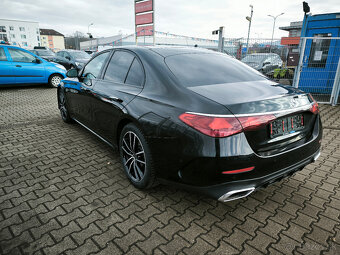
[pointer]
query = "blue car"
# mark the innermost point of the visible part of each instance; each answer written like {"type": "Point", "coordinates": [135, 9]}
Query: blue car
{"type": "Point", "coordinates": [19, 66]}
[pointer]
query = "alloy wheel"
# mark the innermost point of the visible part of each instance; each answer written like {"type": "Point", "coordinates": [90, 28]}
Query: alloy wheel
{"type": "Point", "coordinates": [62, 105]}
{"type": "Point", "coordinates": [133, 156]}
{"type": "Point", "coordinates": [55, 80]}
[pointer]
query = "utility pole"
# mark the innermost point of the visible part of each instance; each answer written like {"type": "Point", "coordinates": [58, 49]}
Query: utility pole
{"type": "Point", "coordinates": [220, 33]}
{"type": "Point", "coordinates": [274, 17]}
{"type": "Point", "coordinates": [249, 19]}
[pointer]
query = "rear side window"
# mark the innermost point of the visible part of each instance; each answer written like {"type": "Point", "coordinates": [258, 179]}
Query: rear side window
{"type": "Point", "coordinates": [119, 66]}
{"type": "Point", "coordinates": [2, 55]}
{"type": "Point", "coordinates": [21, 56]}
{"type": "Point", "coordinates": [136, 74]}
{"type": "Point", "coordinates": [199, 69]}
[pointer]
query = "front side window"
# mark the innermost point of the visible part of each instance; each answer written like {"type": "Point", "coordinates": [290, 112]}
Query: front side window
{"type": "Point", "coordinates": [119, 66]}
{"type": "Point", "coordinates": [21, 56]}
{"type": "Point", "coordinates": [93, 68]}
{"type": "Point", "coordinates": [136, 74]}
{"type": "Point", "coordinates": [2, 55]}
{"type": "Point", "coordinates": [207, 69]}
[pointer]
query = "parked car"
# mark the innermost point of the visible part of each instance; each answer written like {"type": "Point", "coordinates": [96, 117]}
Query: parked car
{"type": "Point", "coordinates": [19, 66]}
{"type": "Point", "coordinates": [263, 62]}
{"type": "Point", "coordinates": [193, 118]}
{"type": "Point", "coordinates": [45, 54]}
{"type": "Point", "coordinates": [72, 58]}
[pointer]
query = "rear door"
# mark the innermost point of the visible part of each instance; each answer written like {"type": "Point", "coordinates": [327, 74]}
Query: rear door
{"type": "Point", "coordinates": [6, 68]}
{"type": "Point", "coordinates": [25, 69]}
{"type": "Point", "coordinates": [122, 81]}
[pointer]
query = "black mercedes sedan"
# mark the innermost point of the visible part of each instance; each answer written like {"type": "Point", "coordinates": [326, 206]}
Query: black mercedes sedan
{"type": "Point", "coordinates": [194, 118]}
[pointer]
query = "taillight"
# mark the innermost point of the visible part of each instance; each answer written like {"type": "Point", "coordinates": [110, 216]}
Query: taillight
{"type": "Point", "coordinates": [315, 107]}
{"type": "Point", "coordinates": [255, 122]}
{"type": "Point", "coordinates": [212, 126]}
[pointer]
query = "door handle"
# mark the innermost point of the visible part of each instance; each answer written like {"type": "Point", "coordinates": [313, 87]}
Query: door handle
{"type": "Point", "coordinates": [116, 99]}
{"type": "Point", "coordinates": [18, 65]}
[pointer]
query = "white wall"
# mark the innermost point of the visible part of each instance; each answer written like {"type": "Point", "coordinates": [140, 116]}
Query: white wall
{"type": "Point", "coordinates": [31, 32]}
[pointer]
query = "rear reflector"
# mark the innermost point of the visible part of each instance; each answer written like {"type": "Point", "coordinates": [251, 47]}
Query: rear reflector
{"type": "Point", "coordinates": [212, 126]}
{"type": "Point", "coordinates": [239, 170]}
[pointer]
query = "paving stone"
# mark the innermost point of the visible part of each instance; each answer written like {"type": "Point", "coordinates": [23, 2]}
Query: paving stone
{"type": "Point", "coordinates": [58, 195]}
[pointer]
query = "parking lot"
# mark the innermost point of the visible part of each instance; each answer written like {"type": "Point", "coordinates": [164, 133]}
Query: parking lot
{"type": "Point", "coordinates": [63, 191]}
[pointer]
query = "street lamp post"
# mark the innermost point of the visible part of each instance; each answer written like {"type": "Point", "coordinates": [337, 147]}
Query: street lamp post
{"type": "Point", "coordinates": [249, 19]}
{"type": "Point", "coordinates": [274, 17]}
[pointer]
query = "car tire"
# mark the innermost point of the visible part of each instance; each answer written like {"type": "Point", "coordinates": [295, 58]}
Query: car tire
{"type": "Point", "coordinates": [136, 158]}
{"type": "Point", "coordinates": [65, 115]}
{"type": "Point", "coordinates": [54, 80]}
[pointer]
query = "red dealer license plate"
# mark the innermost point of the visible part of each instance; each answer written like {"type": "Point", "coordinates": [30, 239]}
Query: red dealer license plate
{"type": "Point", "coordinates": [286, 125]}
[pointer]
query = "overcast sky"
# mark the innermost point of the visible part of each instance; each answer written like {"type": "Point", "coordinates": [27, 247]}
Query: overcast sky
{"type": "Point", "coordinates": [184, 17]}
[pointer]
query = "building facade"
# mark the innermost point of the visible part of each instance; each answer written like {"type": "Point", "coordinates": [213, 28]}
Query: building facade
{"type": "Point", "coordinates": [24, 34]}
{"type": "Point", "coordinates": [52, 39]}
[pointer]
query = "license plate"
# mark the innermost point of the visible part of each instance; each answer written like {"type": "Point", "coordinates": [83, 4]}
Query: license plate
{"type": "Point", "coordinates": [287, 125]}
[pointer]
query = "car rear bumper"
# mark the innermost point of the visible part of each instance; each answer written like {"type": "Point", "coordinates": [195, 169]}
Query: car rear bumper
{"type": "Point", "coordinates": [229, 191]}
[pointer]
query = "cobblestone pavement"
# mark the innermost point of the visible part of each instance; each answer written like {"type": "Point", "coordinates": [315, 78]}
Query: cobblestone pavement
{"type": "Point", "coordinates": [62, 191]}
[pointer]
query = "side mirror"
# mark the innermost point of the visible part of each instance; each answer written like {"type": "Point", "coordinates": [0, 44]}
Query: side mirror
{"type": "Point", "coordinates": [68, 58]}
{"type": "Point", "coordinates": [266, 63]}
{"type": "Point", "coordinates": [72, 73]}
{"type": "Point", "coordinates": [37, 61]}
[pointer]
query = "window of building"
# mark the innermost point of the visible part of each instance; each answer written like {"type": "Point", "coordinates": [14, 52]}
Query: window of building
{"type": "Point", "coordinates": [3, 37]}
{"type": "Point", "coordinates": [38, 38]}
{"type": "Point", "coordinates": [12, 35]}
{"type": "Point", "coordinates": [319, 51]}
{"type": "Point", "coordinates": [2, 29]}
{"type": "Point", "coordinates": [11, 28]}
{"type": "Point", "coordinates": [22, 29]}
{"type": "Point", "coordinates": [23, 36]}
{"type": "Point", "coordinates": [38, 32]}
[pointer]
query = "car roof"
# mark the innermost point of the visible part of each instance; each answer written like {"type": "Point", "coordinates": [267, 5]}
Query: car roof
{"type": "Point", "coordinates": [166, 51]}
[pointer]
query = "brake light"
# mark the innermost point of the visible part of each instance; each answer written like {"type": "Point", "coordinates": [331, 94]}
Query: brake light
{"type": "Point", "coordinates": [239, 170]}
{"type": "Point", "coordinates": [255, 122]}
{"type": "Point", "coordinates": [315, 107]}
{"type": "Point", "coordinates": [212, 126]}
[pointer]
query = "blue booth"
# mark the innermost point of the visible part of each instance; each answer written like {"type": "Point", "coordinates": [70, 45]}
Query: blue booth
{"type": "Point", "coordinates": [321, 56]}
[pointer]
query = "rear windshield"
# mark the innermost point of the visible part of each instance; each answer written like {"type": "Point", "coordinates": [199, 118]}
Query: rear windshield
{"type": "Point", "coordinates": [199, 69]}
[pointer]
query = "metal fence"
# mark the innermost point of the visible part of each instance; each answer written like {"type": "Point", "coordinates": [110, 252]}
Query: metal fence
{"type": "Point", "coordinates": [318, 71]}
{"type": "Point", "coordinates": [313, 66]}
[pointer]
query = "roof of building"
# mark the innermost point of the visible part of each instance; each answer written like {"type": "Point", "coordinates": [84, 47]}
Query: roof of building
{"type": "Point", "coordinates": [44, 31]}
{"type": "Point", "coordinates": [293, 25]}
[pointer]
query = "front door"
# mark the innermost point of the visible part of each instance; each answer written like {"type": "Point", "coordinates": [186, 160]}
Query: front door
{"type": "Point", "coordinates": [320, 61]}
{"type": "Point", "coordinates": [25, 67]}
{"type": "Point", "coordinates": [81, 96]}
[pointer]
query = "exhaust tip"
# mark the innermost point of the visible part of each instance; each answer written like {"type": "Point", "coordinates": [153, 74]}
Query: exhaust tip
{"type": "Point", "coordinates": [236, 194]}
{"type": "Point", "coordinates": [316, 156]}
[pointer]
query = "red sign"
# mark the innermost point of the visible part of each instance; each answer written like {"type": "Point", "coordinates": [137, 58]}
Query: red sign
{"type": "Point", "coordinates": [144, 19]}
{"type": "Point", "coordinates": [144, 31]}
{"type": "Point", "coordinates": [143, 6]}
